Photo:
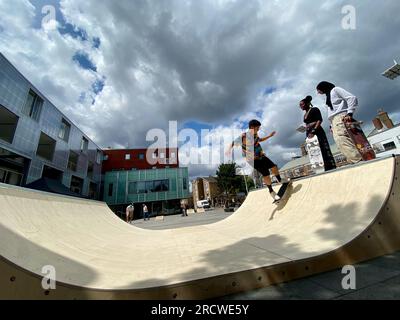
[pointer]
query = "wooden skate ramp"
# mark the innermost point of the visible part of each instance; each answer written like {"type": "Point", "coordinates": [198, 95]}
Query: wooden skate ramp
{"type": "Point", "coordinates": [330, 220]}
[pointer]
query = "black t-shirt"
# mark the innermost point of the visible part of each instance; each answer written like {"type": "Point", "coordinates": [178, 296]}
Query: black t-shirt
{"type": "Point", "coordinates": [313, 116]}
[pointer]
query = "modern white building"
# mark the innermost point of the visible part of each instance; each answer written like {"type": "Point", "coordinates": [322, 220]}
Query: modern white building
{"type": "Point", "coordinates": [385, 138]}
{"type": "Point", "coordinates": [385, 142]}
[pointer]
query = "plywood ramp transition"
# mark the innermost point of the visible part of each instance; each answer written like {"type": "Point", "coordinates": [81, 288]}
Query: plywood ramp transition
{"type": "Point", "coordinates": [330, 220]}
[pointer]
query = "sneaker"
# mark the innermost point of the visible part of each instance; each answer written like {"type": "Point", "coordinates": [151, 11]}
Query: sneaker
{"type": "Point", "coordinates": [274, 196]}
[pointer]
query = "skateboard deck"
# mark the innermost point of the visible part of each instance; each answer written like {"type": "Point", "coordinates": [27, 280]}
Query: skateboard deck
{"type": "Point", "coordinates": [360, 140]}
{"type": "Point", "coordinates": [282, 192]}
{"type": "Point", "coordinates": [315, 154]}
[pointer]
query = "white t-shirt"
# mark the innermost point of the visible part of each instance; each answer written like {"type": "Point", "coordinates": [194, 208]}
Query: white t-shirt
{"type": "Point", "coordinates": [145, 209]}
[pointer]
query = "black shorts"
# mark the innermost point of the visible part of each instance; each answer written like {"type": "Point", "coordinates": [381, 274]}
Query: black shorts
{"type": "Point", "coordinates": [263, 166]}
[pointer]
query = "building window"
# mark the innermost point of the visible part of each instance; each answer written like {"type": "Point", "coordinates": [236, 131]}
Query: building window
{"type": "Point", "coordinates": [162, 155]}
{"type": "Point", "coordinates": [127, 157]}
{"type": "Point", "coordinates": [378, 148]}
{"type": "Point", "coordinates": [10, 177]}
{"type": "Point", "coordinates": [76, 185]}
{"type": "Point", "coordinates": [90, 170]}
{"type": "Point", "coordinates": [389, 146]}
{"type": "Point", "coordinates": [65, 130]}
{"type": "Point", "coordinates": [46, 147]}
{"type": "Point", "coordinates": [173, 155]}
{"type": "Point", "coordinates": [92, 190]}
{"type": "Point", "coordinates": [110, 189]}
{"type": "Point", "coordinates": [141, 156]}
{"type": "Point", "coordinates": [98, 156]}
{"type": "Point", "coordinates": [149, 186]}
{"type": "Point", "coordinates": [84, 144]}
{"type": "Point", "coordinates": [33, 106]}
{"type": "Point", "coordinates": [143, 187]}
{"type": "Point", "coordinates": [161, 185]}
{"type": "Point", "coordinates": [8, 125]}
{"type": "Point", "coordinates": [132, 188]}
{"type": "Point", "coordinates": [73, 161]}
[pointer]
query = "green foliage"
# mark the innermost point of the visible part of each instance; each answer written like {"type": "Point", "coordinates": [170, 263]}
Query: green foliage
{"type": "Point", "coordinates": [228, 182]}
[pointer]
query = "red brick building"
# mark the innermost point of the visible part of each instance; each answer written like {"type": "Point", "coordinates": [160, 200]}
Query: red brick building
{"type": "Point", "coordinates": [139, 159]}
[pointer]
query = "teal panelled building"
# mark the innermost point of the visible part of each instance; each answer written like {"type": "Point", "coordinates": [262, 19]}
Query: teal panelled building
{"type": "Point", "coordinates": [160, 189]}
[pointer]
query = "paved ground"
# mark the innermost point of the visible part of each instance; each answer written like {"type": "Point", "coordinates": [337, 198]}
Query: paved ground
{"type": "Point", "coordinates": [375, 279]}
{"type": "Point", "coordinates": [177, 221]}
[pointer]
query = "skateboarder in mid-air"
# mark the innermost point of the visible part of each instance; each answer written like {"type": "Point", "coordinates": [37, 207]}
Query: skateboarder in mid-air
{"type": "Point", "coordinates": [255, 156]}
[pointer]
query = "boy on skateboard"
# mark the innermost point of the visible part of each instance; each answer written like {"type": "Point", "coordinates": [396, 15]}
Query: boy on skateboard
{"type": "Point", "coordinates": [255, 156]}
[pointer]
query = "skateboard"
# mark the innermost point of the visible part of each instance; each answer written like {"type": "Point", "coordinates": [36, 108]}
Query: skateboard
{"type": "Point", "coordinates": [360, 140]}
{"type": "Point", "coordinates": [315, 154]}
{"type": "Point", "coordinates": [282, 192]}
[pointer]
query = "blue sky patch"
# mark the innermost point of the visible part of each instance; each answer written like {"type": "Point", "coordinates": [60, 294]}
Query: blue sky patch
{"type": "Point", "coordinates": [64, 26]}
{"type": "Point", "coordinates": [197, 126]}
{"type": "Point", "coordinates": [39, 16]}
{"type": "Point", "coordinates": [96, 42]}
{"type": "Point", "coordinates": [82, 58]}
{"type": "Point", "coordinates": [269, 90]}
{"type": "Point", "coordinates": [82, 97]}
{"type": "Point", "coordinates": [98, 86]}
{"type": "Point", "coordinates": [73, 31]}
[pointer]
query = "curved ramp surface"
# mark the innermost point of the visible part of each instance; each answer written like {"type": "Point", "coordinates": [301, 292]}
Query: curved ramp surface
{"type": "Point", "coordinates": [328, 221]}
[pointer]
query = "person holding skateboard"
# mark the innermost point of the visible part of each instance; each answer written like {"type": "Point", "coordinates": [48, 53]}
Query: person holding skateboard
{"type": "Point", "coordinates": [255, 156]}
{"type": "Point", "coordinates": [313, 121]}
{"type": "Point", "coordinates": [341, 107]}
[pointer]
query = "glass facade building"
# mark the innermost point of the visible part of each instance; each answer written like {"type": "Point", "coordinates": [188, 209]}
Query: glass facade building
{"type": "Point", "coordinates": [37, 140]}
{"type": "Point", "coordinates": [160, 189]}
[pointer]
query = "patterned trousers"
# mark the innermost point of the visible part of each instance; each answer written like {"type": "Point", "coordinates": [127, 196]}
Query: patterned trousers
{"type": "Point", "coordinates": [343, 140]}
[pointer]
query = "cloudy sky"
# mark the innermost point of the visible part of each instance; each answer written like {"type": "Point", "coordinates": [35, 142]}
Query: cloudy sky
{"type": "Point", "coordinates": [120, 68]}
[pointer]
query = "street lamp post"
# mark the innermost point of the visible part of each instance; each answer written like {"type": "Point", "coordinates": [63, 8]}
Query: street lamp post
{"type": "Point", "coordinates": [245, 182]}
{"type": "Point", "coordinates": [241, 172]}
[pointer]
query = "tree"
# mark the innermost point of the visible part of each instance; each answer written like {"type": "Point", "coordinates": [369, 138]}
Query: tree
{"type": "Point", "coordinates": [228, 182]}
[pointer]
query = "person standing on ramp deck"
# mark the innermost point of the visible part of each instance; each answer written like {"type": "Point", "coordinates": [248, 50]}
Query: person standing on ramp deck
{"type": "Point", "coordinates": [341, 107]}
{"type": "Point", "coordinates": [313, 120]}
